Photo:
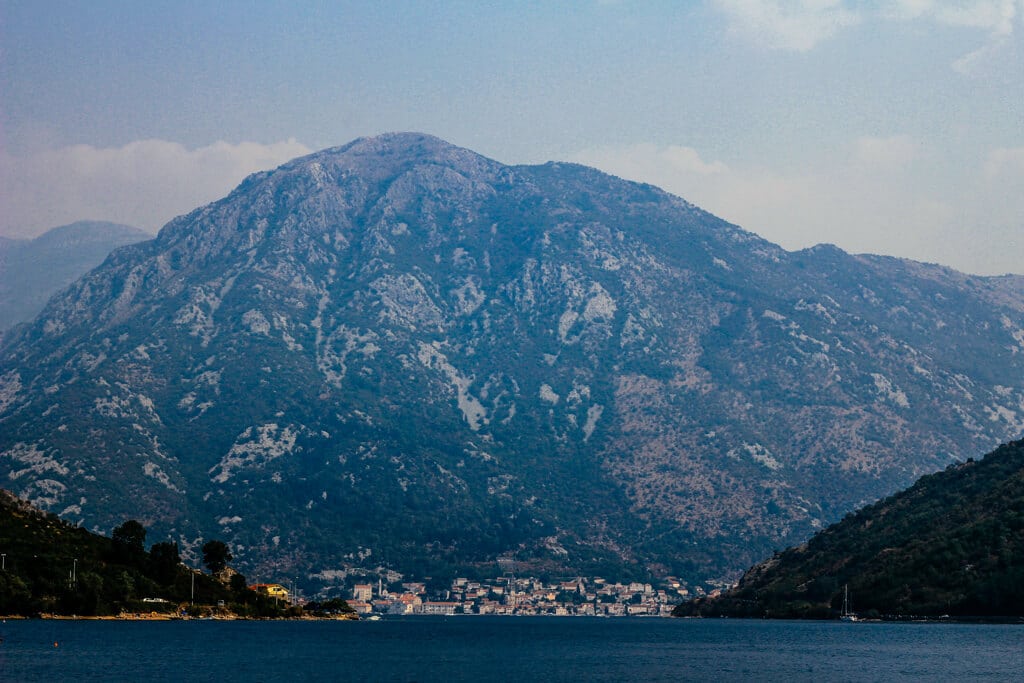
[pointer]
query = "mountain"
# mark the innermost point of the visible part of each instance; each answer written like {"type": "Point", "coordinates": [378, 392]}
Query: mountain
{"type": "Point", "coordinates": [400, 353]}
{"type": "Point", "coordinates": [952, 544]}
{"type": "Point", "coordinates": [31, 271]}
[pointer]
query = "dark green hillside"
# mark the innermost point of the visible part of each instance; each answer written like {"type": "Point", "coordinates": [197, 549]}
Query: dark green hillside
{"type": "Point", "coordinates": [952, 544]}
{"type": "Point", "coordinates": [52, 567]}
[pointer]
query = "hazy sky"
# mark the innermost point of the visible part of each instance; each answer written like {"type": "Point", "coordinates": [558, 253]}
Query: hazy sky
{"type": "Point", "coordinates": [886, 127]}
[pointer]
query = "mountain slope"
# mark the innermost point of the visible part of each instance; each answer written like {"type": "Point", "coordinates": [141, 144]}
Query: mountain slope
{"type": "Point", "coordinates": [952, 544]}
{"type": "Point", "coordinates": [31, 271]}
{"type": "Point", "coordinates": [399, 352]}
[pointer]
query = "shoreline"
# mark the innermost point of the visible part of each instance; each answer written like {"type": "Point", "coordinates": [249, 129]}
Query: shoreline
{"type": "Point", "coordinates": [156, 616]}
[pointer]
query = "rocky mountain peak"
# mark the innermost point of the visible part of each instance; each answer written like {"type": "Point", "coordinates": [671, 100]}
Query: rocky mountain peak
{"type": "Point", "coordinates": [375, 161]}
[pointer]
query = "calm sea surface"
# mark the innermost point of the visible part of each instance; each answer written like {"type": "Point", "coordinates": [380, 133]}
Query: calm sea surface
{"type": "Point", "coordinates": [535, 649]}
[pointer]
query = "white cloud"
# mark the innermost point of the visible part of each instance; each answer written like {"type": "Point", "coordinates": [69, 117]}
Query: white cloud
{"type": "Point", "coordinates": [889, 153]}
{"type": "Point", "coordinates": [144, 183]}
{"type": "Point", "coordinates": [797, 25]}
{"type": "Point", "coordinates": [999, 18]}
{"type": "Point", "coordinates": [976, 61]}
{"type": "Point", "coordinates": [800, 25]}
{"type": "Point", "coordinates": [1005, 161]}
{"type": "Point", "coordinates": [878, 196]}
{"type": "Point", "coordinates": [647, 160]}
{"type": "Point", "coordinates": [996, 16]}
{"type": "Point", "coordinates": [687, 158]}
{"type": "Point", "coordinates": [907, 9]}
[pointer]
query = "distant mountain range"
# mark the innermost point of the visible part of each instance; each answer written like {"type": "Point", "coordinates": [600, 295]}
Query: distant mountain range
{"type": "Point", "coordinates": [952, 544]}
{"type": "Point", "coordinates": [400, 353]}
{"type": "Point", "coordinates": [31, 271]}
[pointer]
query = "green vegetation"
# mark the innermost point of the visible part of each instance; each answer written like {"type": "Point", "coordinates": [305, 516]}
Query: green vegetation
{"type": "Point", "coordinates": [52, 567]}
{"type": "Point", "coordinates": [952, 544]}
{"type": "Point", "coordinates": [216, 556]}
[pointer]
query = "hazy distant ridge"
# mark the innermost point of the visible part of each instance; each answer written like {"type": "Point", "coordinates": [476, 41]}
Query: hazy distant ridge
{"type": "Point", "coordinates": [31, 271]}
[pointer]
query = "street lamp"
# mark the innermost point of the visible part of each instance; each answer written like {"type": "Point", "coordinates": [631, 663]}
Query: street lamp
{"type": "Point", "coordinates": [3, 561]}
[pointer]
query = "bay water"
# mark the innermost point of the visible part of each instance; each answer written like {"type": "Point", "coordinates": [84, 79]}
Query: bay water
{"type": "Point", "coordinates": [533, 649]}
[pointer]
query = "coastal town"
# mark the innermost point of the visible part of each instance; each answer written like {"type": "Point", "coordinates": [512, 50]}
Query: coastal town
{"type": "Point", "coordinates": [522, 597]}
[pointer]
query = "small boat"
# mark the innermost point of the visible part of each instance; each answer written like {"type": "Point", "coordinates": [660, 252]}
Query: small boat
{"type": "Point", "coordinates": [846, 614]}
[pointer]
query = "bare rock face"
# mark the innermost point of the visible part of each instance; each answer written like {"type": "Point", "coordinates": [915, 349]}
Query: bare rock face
{"type": "Point", "coordinates": [400, 353]}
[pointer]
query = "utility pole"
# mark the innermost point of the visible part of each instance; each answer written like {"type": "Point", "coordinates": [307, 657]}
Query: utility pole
{"type": "Point", "coordinates": [193, 600]}
{"type": "Point", "coordinates": [74, 573]}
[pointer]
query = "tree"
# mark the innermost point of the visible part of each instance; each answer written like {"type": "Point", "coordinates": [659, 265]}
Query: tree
{"type": "Point", "coordinates": [238, 585]}
{"type": "Point", "coordinates": [15, 594]}
{"type": "Point", "coordinates": [216, 556]}
{"type": "Point", "coordinates": [163, 562]}
{"type": "Point", "coordinates": [129, 542]}
{"type": "Point", "coordinates": [121, 586]}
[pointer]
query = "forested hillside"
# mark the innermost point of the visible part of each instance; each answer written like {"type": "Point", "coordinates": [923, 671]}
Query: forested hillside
{"type": "Point", "coordinates": [52, 567]}
{"type": "Point", "coordinates": [952, 544]}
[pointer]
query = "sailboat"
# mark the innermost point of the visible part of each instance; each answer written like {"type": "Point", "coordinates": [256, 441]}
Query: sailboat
{"type": "Point", "coordinates": [846, 614]}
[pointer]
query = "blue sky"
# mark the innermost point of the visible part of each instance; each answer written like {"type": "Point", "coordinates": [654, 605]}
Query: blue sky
{"type": "Point", "coordinates": [894, 128]}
